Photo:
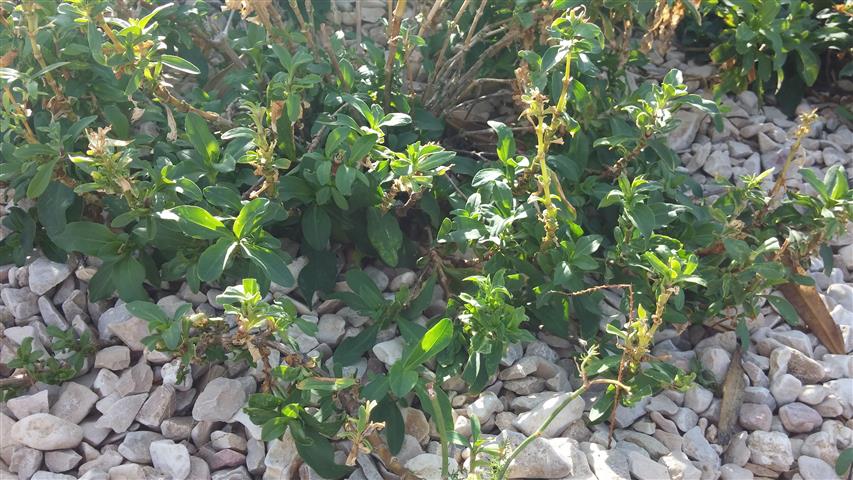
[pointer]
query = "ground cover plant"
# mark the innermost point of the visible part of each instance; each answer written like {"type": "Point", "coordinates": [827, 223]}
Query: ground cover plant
{"type": "Point", "coordinates": [170, 148]}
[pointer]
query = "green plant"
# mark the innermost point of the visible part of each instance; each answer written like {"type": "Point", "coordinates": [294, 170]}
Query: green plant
{"type": "Point", "coordinates": [845, 460]}
{"type": "Point", "coordinates": [70, 355]}
{"type": "Point", "coordinates": [489, 325]}
{"type": "Point", "coordinates": [758, 40]}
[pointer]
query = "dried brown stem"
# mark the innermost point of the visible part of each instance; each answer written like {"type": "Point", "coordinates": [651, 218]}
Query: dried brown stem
{"type": "Point", "coordinates": [380, 449]}
{"type": "Point", "coordinates": [624, 360]}
{"type": "Point", "coordinates": [327, 46]}
{"type": "Point", "coordinates": [806, 121]}
{"type": "Point", "coordinates": [467, 43]}
{"type": "Point", "coordinates": [439, 63]}
{"type": "Point", "coordinates": [165, 96]}
{"type": "Point", "coordinates": [622, 163]}
{"type": "Point", "coordinates": [422, 30]}
{"type": "Point", "coordinates": [220, 44]}
{"type": "Point", "coordinates": [32, 30]}
{"type": "Point", "coordinates": [17, 380]}
{"type": "Point", "coordinates": [306, 27]}
{"type": "Point", "coordinates": [472, 72]}
{"type": "Point", "coordinates": [29, 135]}
{"type": "Point", "coordinates": [393, 40]}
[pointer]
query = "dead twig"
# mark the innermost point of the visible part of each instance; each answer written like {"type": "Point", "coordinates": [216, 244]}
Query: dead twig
{"type": "Point", "coordinates": [393, 40]}
{"type": "Point", "coordinates": [624, 360]}
{"type": "Point", "coordinates": [422, 30]}
{"type": "Point", "coordinates": [17, 380]}
{"type": "Point", "coordinates": [165, 96]}
{"type": "Point", "coordinates": [439, 63]}
{"type": "Point", "coordinates": [327, 47]}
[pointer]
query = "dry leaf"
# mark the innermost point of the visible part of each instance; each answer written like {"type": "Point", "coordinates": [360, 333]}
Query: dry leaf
{"type": "Point", "coordinates": [733, 390]}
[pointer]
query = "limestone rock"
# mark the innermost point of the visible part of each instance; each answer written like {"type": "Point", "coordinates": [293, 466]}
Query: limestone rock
{"type": "Point", "coordinates": [43, 431]}
{"type": "Point", "coordinates": [220, 400]}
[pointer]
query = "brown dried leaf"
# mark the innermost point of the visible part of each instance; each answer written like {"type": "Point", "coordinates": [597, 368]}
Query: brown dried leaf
{"type": "Point", "coordinates": [814, 313]}
{"type": "Point", "coordinates": [733, 391]}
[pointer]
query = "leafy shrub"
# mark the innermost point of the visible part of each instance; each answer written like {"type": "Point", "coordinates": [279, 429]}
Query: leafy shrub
{"type": "Point", "coordinates": [758, 39]}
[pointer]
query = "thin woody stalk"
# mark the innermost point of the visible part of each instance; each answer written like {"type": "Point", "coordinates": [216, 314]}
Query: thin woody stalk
{"type": "Point", "coordinates": [439, 63]}
{"type": "Point", "coordinates": [393, 40]}
{"type": "Point", "coordinates": [32, 29]}
{"type": "Point", "coordinates": [29, 135]}
{"type": "Point", "coordinates": [501, 473]}
{"type": "Point", "coordinates": [803, 130]}
{"type": "Point", "coordinates": [109, 33]}
{"type": "Point", "coordinates": [182, 106]}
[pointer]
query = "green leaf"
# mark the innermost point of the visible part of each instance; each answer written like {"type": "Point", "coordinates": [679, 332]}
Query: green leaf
{"type": "Point", "coordinates": [117, 120]}
{"type": "Point", "coordinates": [125, 275]}
{"type": "Point", "coordinates": [785, 309]}
{"type": "Point", "coordinates": [85, 237]}
{"type": "Point", "coordinates": [385, 235]}
{"type": "Point", "coordinates": [326, 384]}
{"type": "Point", "coordinates": [316, 227]}
{"type": "Point", "coordinates": [179, 64]}
{"type": "Point", "coordinates": [351, 349]}
{"type": "Point", "coordinates": [643, 218]}
{"type": "Point", "coordinates": [401, 380]}
{"type": "Point", "coordinates": [223, 197]}
{"type": "Point", "coordinates": [600, 410]}
{"type": "Point", "coordinates": [811, 64]}
{"type": "Point", "coordinates": [344, 178]}
{"type": "Point", "coordinates": [317, 452]}
{"type": "Point", "coordinates": [144, 21]}
{"type": "Point", "coordinates": [172, 337]}
{"type": "Point", "coordinates": [554, 56]}
{"type": "Point", "coordinates": [200, 137]}
{"type": "Point", "coordinates": [434, 341]}
{"type": "Point", "coordinates": [417, 306]}
{"type": "Point", "coordinates": [147, 311]}
{"type": "Point", "coordinates": [506, 140]}
{"type": "Point", "coordinates": [196, 222]}
{"type": "Point", "coordinates": [395, 428]}
{"type": "Point", "coordinates": [600, 365]}
{"type": "Point", "coordinates": [737, 249]}
{"type": "Point", "coordinates": [93, 36]}
{"type": "Point", "coordinates": [845, 460]}
{"type": "Point", "coordinates": [828, 259]}
{"type": "Point", "coordinates": [274, 428]}
{"type": "Point", "coordinates": [52, 207]}
{"type": "Point", "coordinates": [250, 218]}
{"type": "Point", "coordinates": [39, 182]}
{"type": "Point", "coordinates": [361, 147]}
{"type": "Point", "coordinates": [213, 260]}
{"type": "Point", "coordinates": [395, 119]}
{"type": "Point", "coordinates": [363, 286]}
{"type": "Point", "coordinates": [272, 263]}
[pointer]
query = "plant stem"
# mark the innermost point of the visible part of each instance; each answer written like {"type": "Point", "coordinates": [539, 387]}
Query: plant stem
{"type": "Point", "coordinates": [806, 121]}
{"type": "Point", "coordinates": [442, 432]}
{"type": "Point", "coordinates": [564, 92]}
{"type": "Point", "coordinates": [501, 474]}
{"type": "Point", "coordinates": [109, 32]}
{"type": "Point", "coordinates": [166, 96]}
{"type": "Point", "coordinates": [20, 380]}
{"type": "Point", "coordinates": [393, 39]}
{"type": "Point", "coordinates": [29, 136]}
{"type": "Point", "coordinates": [32, 29]}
